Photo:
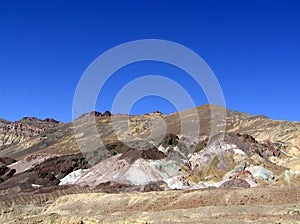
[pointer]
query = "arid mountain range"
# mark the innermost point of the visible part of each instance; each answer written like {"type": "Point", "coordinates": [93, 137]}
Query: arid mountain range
{"type": "Point", "coordinates": [209, 163]}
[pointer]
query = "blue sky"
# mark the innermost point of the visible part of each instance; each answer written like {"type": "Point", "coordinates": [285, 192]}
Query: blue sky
{"type": "Point", "coordinates": [253, 47]}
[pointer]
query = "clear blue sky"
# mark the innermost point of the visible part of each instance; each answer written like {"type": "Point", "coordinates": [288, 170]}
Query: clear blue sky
{"type": "Point", "coordinates": [253, 47]}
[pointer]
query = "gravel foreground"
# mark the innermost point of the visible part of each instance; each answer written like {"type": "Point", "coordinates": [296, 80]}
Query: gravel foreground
{"type": "Point", "coordinates": [252, 205]}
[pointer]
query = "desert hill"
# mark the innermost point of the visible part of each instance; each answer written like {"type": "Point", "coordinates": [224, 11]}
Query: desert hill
{"type": "Point", "coordinates": [200, 149]}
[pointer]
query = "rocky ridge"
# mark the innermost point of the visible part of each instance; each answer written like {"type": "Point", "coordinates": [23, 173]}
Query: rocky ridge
{"type": "Point", "coordinates": [27, 127]}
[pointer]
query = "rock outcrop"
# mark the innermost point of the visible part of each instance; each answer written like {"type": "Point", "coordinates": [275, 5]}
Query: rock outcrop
{"type": "Point", "coordinates": [27, 127]}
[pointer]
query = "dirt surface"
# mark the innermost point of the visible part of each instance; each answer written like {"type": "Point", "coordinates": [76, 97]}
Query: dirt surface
{"type": "Point", "coordinates": [235, 205]}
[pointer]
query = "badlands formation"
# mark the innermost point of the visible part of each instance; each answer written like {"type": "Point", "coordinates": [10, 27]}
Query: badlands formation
{"type": "Point", "coordinates": [104, 168]}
